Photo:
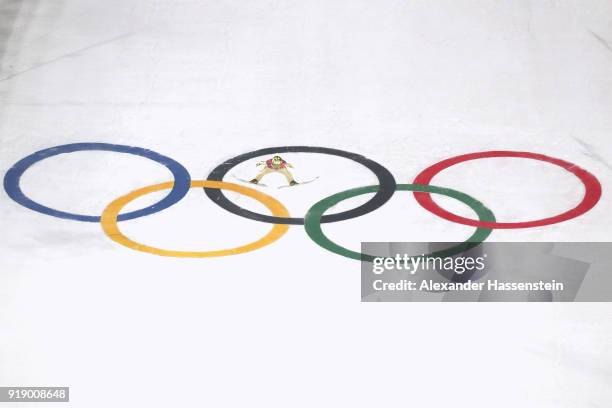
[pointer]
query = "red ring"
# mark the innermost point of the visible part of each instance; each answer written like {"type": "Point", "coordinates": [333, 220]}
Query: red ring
{"type": "Point", "coordinates": [592, 192]}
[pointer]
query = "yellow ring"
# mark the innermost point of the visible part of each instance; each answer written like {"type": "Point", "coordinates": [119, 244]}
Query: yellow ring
{"type": "Point", "coordinates": [109, 220]}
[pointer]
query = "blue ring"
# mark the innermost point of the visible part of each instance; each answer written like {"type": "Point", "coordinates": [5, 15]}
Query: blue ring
{"type": "Point", "coordinates": [182, 179]}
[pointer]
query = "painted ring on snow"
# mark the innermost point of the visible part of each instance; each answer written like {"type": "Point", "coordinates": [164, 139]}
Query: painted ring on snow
{"type": "Point", "coordinates": [592, 192]}
{"type": "Point", "coordinates": [110, 227]}
{"type": "Point", "coordinates": [12, 179]}
{"type": "Point", "coordinates": [385, 179]}
{"type": "Point", "coordinates": [315, 214]}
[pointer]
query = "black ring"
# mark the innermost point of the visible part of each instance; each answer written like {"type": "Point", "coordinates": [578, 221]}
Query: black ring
{"type": "Point", "coordinates": [385, 180]}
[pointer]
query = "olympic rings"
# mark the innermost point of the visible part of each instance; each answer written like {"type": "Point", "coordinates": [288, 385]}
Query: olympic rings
{"type": "Point", "coordinates": [110, 227]}
{"type": "Point", "coordinates": [314, 215]}
{"type": "Point", "coordinates": [280, 216]}
{"type": "Point", "coordinates": [13, 176]}
{"type": "Point", "coordinates": [385, 179]}
{"type": "Point", "coordinates": [591, 196]}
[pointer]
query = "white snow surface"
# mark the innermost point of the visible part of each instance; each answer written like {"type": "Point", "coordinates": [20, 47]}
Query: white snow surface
{"type": "Point", "coordinates": [405, 83]}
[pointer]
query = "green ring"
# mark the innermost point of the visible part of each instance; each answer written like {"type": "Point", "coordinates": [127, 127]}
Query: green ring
{"type": "Point", "coordinates": [312, 221]}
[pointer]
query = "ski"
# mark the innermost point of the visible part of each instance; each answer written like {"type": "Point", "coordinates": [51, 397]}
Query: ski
{"type": "Point", "coordinates": [248, 181]}
{"type": "Point", "coordinates": [300, 183]}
